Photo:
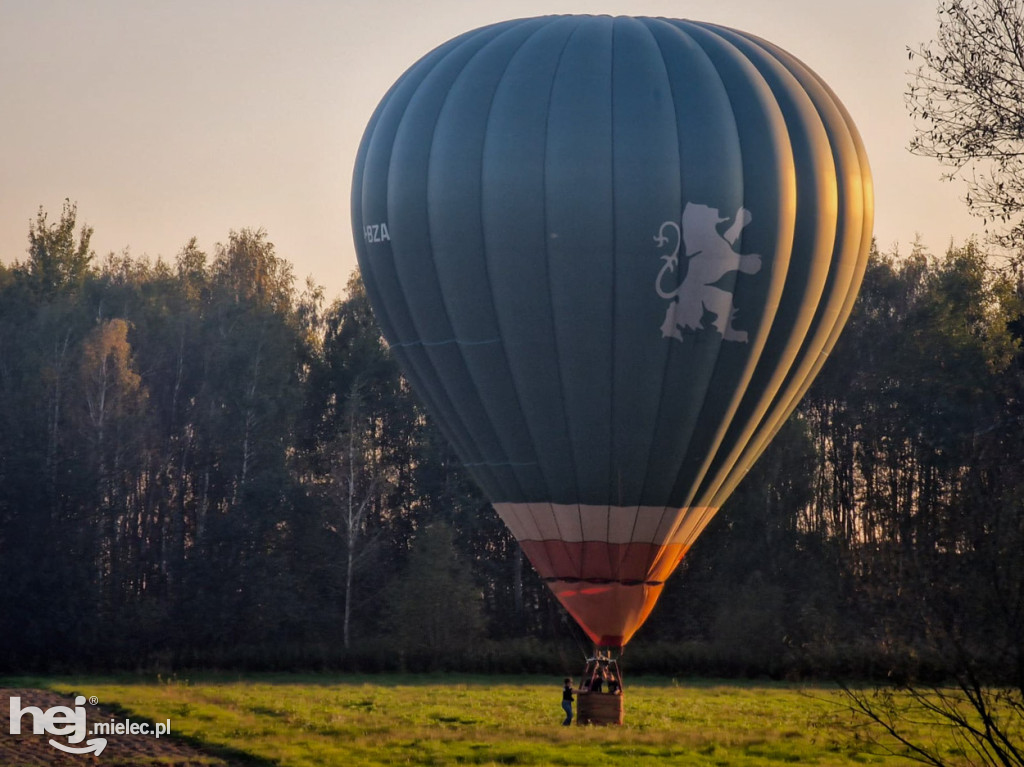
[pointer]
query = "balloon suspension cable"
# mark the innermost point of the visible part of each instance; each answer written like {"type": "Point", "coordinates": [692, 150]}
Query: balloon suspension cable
{"type": "Point", "coordinates": [602, 673]}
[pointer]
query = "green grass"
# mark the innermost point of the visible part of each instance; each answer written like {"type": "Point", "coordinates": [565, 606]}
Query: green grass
{"type": "Point", "coordinates": [307, 721]}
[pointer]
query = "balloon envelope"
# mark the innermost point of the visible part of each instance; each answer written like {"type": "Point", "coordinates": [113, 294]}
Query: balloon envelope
{"type": "Point", "coordinates": [610, 255]}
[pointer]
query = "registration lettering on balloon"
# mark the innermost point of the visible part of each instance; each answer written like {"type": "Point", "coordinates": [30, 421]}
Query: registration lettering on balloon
{"type": "Point", "coordinates": [710, 256]}
{"type": "Point", "coordinates": [376, 232]}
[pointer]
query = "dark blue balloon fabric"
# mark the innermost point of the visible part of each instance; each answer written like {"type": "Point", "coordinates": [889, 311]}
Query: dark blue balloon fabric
{"type": "Point", "coordinates": [611, 254]}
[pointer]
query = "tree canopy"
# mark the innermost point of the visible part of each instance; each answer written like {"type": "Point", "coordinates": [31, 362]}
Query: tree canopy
{"type": "Point", "coordinates": [199, 466]}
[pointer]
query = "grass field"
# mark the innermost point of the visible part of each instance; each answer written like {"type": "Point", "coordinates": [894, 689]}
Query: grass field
{"type": "Point", "coordinates": [302, 721]}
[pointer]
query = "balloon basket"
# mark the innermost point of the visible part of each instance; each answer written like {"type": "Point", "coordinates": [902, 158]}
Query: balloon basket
{"type": "Point", "coordinates": [599, 697]}
{"type": "Point", "coordinates": [599, 707]}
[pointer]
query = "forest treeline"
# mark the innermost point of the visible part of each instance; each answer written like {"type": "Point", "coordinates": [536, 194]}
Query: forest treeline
{"type": "Point", "coordinates": [203, 464]}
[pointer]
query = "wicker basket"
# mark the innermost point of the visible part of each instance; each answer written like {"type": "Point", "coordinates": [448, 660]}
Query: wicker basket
{"type": "Point", "coordinates": [598, 707]}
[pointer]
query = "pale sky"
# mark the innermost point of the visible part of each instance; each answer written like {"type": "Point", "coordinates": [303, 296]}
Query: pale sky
{"type": "Point", "coordinates": [165, 120]}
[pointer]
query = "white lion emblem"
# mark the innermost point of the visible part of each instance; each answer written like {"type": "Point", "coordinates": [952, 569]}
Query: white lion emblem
{"type": "Point", "coordinates": [710, 257]}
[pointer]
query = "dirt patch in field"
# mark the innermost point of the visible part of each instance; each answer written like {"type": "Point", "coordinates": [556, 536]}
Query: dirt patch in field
{"type": "Point", "coordinates": [30, 750]}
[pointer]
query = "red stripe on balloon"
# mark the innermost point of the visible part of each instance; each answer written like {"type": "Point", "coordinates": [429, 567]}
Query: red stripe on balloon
{"type": "Point", "coordinates": [635, 562]}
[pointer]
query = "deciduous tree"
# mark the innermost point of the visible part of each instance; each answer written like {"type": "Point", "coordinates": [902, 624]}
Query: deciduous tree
{"type": "Point", "coordinates": [434, 608]}
{"type": "Point", "coordinates": [967, 95]}
{"type": "Point", "coordinates": [55, 259]}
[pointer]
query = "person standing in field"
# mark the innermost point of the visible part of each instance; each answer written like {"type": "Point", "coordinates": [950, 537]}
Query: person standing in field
{"type": "Point", "coordinates": [567, 701]}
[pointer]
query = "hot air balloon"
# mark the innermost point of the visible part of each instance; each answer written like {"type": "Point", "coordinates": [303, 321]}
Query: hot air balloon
{"type": "Point", "coordinates": [610, 255]}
